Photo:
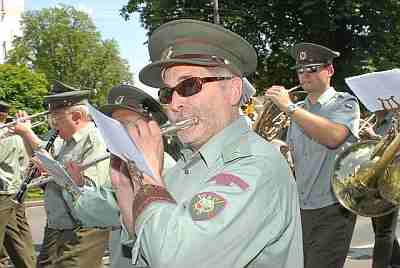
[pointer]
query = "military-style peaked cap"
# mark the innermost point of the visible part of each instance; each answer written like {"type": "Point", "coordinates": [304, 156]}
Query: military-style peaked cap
{"type": "Point", "coordinates": [134, 99]}
{"type": "Point", "coordinates": [63, 95]}
{"type": "Point", "coordinates": [195, 42]}
{"type": "Point", "coordinates": [309, 54]}
{"type": "Point", "coordinates": [4, 107]}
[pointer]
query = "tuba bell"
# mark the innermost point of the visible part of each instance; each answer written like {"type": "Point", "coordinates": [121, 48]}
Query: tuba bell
{"type": "Point", "coordinates": [366, 179]}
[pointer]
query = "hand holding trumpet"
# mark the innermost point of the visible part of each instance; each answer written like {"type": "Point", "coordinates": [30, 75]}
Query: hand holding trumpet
{"type": "Point", "coordinates": [22, 124]}
{"type": "Point", "coordinates": [279, 95]}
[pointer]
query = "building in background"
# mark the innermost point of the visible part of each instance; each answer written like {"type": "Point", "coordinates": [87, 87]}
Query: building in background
{"type": "Point", "coordinates": [10, 17]}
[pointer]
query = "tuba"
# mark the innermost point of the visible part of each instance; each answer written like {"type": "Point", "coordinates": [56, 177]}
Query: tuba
{"type": "Point", "coordinates": [366, 179]}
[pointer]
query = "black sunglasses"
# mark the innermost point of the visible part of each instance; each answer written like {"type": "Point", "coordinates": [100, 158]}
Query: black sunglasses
{"type": "Point", "coordinates": [310, 69]}
{"type": "Point", "coordinates": [187, 87]}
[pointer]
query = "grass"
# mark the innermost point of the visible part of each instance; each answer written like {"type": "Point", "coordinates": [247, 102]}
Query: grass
{"type": "Point", "coordinates": [34, 194]}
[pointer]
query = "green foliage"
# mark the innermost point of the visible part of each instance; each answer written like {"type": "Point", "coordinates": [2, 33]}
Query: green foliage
{"type": "Point", "coordinates": [366, 32]}
{"type": "Point", "coordinates": [23, 89]}
{"type": "Point", "coordinates": [63, 43]}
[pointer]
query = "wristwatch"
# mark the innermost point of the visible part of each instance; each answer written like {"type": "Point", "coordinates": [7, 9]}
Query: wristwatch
{"type": "Point", "coordinates": [292, 107]}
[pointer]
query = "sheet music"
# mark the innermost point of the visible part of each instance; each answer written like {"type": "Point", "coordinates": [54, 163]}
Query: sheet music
{"type": "Point", "coordinates": [58, 173]}
{"type": "Point", "coordinates": [117, 140]}
{"type": "Point", "coordinates": [369, 87]}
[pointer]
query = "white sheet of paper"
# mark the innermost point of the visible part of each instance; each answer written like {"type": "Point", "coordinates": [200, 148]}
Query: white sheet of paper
{"type": "Point", "coordinates": [369, 87]}
{"type": "Point", "coordinates": [117, 140]}
{"type": "Point", "coordinates": [58, 173]}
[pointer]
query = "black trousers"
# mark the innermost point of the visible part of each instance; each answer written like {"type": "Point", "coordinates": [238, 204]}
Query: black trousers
{"type": "Point", "coordinates": [327, 234]}
{"type": "Point", "coordinates": [386, 249]}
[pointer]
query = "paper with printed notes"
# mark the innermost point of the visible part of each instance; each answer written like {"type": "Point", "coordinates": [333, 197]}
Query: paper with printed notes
{"type": "Point", "coordinates": [371, 88]}
{"type": "Point", "coordinates": [118, 141]}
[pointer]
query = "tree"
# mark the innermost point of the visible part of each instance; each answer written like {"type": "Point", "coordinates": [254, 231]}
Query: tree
{"type": "Point", "coordinates": [366, 32]}
{"type": "Point", "coordinates": [63, 44]}
{"type": "Point", "coordinates": [23, 89]}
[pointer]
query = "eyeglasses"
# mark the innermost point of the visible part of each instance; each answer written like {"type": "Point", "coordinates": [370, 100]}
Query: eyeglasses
{"type": "Point", "coordinates": [310, 69]}
{"type": "Point", "coordinates": [187, 87]}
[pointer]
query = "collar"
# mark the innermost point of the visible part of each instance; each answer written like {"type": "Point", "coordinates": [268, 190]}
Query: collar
{"type": "Point", "coordinates": [325, 97]}
{"type": "Point", "coordinates": [82, 133]}
{"type": "Point", "coordinates": [225, 142]}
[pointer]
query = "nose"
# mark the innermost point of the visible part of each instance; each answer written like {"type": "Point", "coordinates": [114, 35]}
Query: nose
{"type": "Point", "coordinates": [177, 102]}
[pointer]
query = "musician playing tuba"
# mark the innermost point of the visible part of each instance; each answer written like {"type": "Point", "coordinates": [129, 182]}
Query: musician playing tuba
{"type": "Point", "coordinates": [386, 250]}
{"type": "Point", "coordinates": [321, 126]}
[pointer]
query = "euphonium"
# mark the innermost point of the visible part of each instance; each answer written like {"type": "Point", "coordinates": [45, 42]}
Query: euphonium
{"type": "Point", "coordinates": [364, 179]}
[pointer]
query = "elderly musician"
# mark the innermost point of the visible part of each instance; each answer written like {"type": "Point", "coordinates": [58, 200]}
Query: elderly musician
{"type": "Point", "coordinates": [67, 243]}
{"type": "Point", "coordinates": [321, 127]}
{"type": "Point", "coordinates": [230, 201]}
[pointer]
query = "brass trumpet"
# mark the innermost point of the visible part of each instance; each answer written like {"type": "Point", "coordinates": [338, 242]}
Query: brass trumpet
{"type": "Point", "coordinates": [26, 118]}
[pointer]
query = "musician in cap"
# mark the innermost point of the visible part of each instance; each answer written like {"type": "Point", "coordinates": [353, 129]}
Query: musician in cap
{"type": "Point", "coordinates": [126, 104]}
{"type": "Point", "coordinates": [67, 243]}
{"type": "Point", "coordinates": [230, 200]}
{"type": "Point", "coordinates": [15, 234]}
{"type": "Point", "coordinates": [321, 127]}
{"type": "Point", "coordinates": [386, 252]}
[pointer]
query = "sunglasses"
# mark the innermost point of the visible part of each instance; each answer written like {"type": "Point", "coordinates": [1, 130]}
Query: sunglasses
{"type": "Point", "coordinates": [187, 87]}
{"type": "Point", "coordinates": [310, 69]}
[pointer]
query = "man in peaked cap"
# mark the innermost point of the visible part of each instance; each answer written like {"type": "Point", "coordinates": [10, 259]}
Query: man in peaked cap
{"type": "Point", "coordinates": [321, 127]}
{"type": "Point", "coordinates": [67, 243]}
{"type": "Point", "coordinates": [126, 104]}
{"type": "Point", "coordinates": [230, 201]}
{"type": "Point", "coordinates": [15, 233]}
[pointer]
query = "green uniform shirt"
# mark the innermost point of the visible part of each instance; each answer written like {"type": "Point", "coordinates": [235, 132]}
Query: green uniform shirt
{"type": "Point", "coordinates": [84, 146]}
{"type": "Point", "coordinates": [13, 159]}
{"type": "Point", "coordinates": [236, 204]}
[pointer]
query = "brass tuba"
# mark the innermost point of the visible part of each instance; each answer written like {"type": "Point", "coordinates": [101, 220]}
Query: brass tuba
{"type": "Point", "coordinates": [365, 180]}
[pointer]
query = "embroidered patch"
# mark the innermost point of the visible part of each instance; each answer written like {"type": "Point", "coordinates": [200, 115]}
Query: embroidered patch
{"type": "Point", "coordinates": [227, 180]}
{"type": "Point", "coordinates": [206, 205]}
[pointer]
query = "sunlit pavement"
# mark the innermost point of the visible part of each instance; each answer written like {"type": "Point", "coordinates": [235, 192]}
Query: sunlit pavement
{"type": "Point", "coordinates": [360, 253]}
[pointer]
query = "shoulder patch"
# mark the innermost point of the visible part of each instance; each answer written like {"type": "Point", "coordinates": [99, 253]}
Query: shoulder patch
{"type": "Point", "coordinates": [206, 205]}
{"type": "Point", "coordinates": [227, 180]}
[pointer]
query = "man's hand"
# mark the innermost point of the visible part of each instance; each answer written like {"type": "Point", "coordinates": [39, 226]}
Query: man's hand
{"type": "Point", "coordinates": [75, 171]}
{"type": "Point", "coordinates": [124, 190]}
{"type": "Point", "coordinates": [147, 137]}
{"type": "Point", "coordinates": [22, 126]}
{"type": "Point", "coordinates": [280, 96]}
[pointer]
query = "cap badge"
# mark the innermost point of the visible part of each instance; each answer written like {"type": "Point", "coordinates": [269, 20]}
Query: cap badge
{"type": "Point", "coordinates": [302, 55]}
{"type": "Point", "coordinates": [119, 100]}
{"type": "Point", "coordinates": [167, 54]}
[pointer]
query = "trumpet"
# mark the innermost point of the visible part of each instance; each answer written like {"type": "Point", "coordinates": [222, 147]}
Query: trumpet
{"type": "Point", "coordinates": [9, 134]}
{"type": "Point", "coordinates": [26, 118]}
{"type": "Point", "coordinates": [166, 129]}
{"type": "Point", "coordinates": [173, 128]}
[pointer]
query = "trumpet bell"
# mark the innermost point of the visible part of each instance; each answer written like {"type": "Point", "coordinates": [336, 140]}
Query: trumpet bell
{"type": "Point", "coordinates": [357, 195]}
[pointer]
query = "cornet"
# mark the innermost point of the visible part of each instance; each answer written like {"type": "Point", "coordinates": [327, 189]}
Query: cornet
{"type": "Point", "coordinates": [25, 118]}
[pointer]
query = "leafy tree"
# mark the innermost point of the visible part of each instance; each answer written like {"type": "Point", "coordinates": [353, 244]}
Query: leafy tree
{"type": "Point", "coordinates": [366, 32]}
{"type": "Point", "coordinates": [23, 89]}
{"type": "Point", "coordinates": [63, 43]}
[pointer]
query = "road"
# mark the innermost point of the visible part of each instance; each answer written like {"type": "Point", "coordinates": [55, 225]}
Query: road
{"type": "Point", "coordinates": [359, 255]}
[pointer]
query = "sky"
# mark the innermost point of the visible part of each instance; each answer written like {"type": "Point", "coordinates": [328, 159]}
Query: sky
{"type": "Point", "coordinates": [130, 35]}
